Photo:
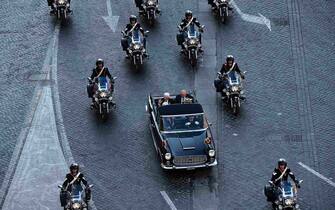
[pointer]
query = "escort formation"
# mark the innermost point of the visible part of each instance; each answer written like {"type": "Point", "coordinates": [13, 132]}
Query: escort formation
{"type": "Point", "coordinates": [180, 130]}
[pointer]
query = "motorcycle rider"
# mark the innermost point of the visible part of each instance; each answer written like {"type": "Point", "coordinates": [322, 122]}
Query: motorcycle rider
{"type": "Point", "coordinates": [76, 178]}
{"type": "Point", "coordinates": [139, 5]}
{"type": "Point", "coordinates": [100, 71]}
{"type": "Point", "coordinates": [213, 2]}
{"type": "Point", "coordinates": [227, 67]}
{"type": "Point", "coordinates": [187, 21]}
{"type": "Point", "coordinates": [281, 173]}
{"type": "Point", "coordinates": [133, 25]}
{"type": "Point", "coordinates": [53, 9]}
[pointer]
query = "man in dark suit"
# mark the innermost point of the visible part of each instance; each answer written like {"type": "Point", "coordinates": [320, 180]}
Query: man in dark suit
{"type": "Point", "coordinates": [184, 98]}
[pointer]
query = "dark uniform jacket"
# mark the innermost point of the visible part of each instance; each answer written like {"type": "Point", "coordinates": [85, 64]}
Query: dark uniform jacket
{"type": "Point", "coordinates": [225, 69]}
{"type": "Point", "coordinates": [185, 22]}
{"type": "Point", "coordinates": [137, 27]}
{"type": "Point", "coordinates": [69, 177]}
{"type": "Point", "coordinates": [105, 73]}
{"type": "Point", "coordinates": [277, 173]}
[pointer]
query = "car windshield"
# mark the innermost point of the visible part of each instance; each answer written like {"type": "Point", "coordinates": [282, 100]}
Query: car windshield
{"type": "Point", "coordinates": [182, 123]}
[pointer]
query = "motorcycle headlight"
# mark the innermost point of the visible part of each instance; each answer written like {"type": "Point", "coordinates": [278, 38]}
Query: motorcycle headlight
{"type": "Point", "coordinates": [103, 94]}
{"type": "Point", "coordinates": [211, 153]}
{"type": "Point", "coordinates": [150, 3]}
{"type": "Point", "coordinates": [167, 156]}
{"type": "Point", "coordinates": [192, 41]}
{"type": "Point", "coordinates": [234, 88]}
{"type": "Point", "coordinates": [76, 206]}
{"type": "Point", "coordinates": [288, 201]}
{"type": "Point", "coordinates": [137, 46]}
{"type": "Point", "coordinates": [61, 2]}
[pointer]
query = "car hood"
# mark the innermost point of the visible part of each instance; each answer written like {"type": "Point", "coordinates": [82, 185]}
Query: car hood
{"type": "Point", "coordinates": [187, 143]}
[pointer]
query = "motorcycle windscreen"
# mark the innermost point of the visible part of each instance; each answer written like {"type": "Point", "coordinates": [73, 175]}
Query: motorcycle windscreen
{"type": "Point", "coordinates": [287, 188]}
{"type": "Point", "coordinates": [76, 192]}
{"type": "Point", "coordinates": [103, 83]}
{"type": "Point", "coordinates": [136, 37]}
{"type": "Point", "coordinates": [234, 78]}
{"type": "Point", "coordinates": [192, 33]}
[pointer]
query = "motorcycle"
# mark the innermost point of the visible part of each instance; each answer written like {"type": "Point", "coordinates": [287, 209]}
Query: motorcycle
{"type": "Point", "coordinates": [192, 43]}
{"type": "Point", "coordinates": [233, 91]}
{"type": "Point", "coordinates": [136, 47]}
{"type": "Point", "coordinates": [221, 9]}
{"type": "Point", "coordinates": [287, 196]}
{"type": "Point", "coordinates": [61, 9]}
{"type": "Point", "coordinates": [103, 96]}
{"type": "Point", "coordinates": [150, 11]}
{"type": "Point", "coordinates": [76, 198]}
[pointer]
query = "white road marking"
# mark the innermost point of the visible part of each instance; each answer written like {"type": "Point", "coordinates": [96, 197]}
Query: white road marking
{"type": "Point", "coordinates": [111, 20]}
{"type": "Point", "coordinates": [317, 174]}
{"type": "Point", "coordinates": [252, 18]}
{"type": "Point", "coordinates": [42, 159]}
{"type": "Point", "coordinates": [168, 200]}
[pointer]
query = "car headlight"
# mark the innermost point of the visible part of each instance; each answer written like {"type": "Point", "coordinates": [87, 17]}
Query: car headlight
{"type": "Point", "coordinates": [76, 206]}
{"type": "Point", "coordinates": [137, 46]}
{"type": "Point", "coordinates": [211, 153]}
{"type": "Point", "coordinates": [288, 202]}
{"type": "Point", "coordinates": [167, 156]}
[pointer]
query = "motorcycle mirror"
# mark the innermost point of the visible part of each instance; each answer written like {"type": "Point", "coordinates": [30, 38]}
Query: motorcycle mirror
{"type": "Point", "coordinates": [60, 186]}
{"type": "Point", "coordinates": [301, 181]}
{"type": "Point", "coordinates": [114, 78]}
{"type": "Point", "coordinates": [219, 73]}
{"type": "Point", "coordinates": [245, 72]}
{"type": "Point", "coordinates": [271, 182]}
{"type": "Point", "coordinates": [89, 78]}
{"type": "Point", "coordinates": [210, 124]}
{"type": "Point", "coordinates": [90, 186]}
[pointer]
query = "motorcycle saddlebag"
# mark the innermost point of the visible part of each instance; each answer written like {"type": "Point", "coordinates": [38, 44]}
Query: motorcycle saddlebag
{"type": "Point", "coordinates": [180, 39]}
{"type": "Point", "coordinates": [269, 193]}
{"type": "Point", "coordinates": [90, 90]}
{"type": "Point", "coordinates": [124, 44]}
{"type": "Point", "coordinates": [63, 198]}
{"type": "Point", "coordinates": [218, 85]}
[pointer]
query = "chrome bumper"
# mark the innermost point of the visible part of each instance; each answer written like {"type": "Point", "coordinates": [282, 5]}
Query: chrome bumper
{"type": "Point", "coordinates": [206, 165]}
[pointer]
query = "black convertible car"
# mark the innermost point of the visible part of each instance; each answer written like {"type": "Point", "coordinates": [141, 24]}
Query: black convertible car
{"type": "Point", "coordinates": [181, 135]}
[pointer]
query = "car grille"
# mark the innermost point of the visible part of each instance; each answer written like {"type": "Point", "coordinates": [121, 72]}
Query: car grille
{"type": "Point", "coordinates": [189, 160]}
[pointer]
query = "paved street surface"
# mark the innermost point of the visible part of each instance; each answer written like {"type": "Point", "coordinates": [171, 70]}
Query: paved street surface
{"type": "Point", "coordinates": [288, 112]}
